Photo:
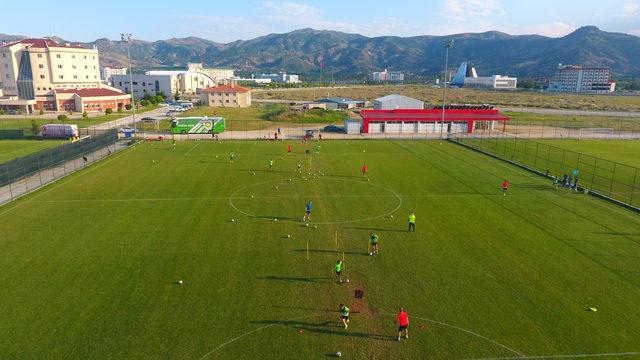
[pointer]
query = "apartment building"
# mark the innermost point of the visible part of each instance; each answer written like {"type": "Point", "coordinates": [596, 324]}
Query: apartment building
{"type": "Point", "coordinates": [578, 79]}
{"type": "Point", "coordinates": [34, 71]}
{"type": "Point", "coordinates": [227, 95]}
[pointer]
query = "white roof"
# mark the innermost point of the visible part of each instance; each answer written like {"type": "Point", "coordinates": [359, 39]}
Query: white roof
{"type": "Point", "coordinates": [395, 96]}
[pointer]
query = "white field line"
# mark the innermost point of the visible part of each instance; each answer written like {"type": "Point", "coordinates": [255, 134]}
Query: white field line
{"type": "Point", "coordinates": [565, 356]}
{"type": "Point", "coordinates": [63, 180]}
{"type": "Point", "coordinates": [520, 355]}
{"type": "Point", "coordinates": [253, 331]}
{"type": "Point", "coordinates": [190, 150]}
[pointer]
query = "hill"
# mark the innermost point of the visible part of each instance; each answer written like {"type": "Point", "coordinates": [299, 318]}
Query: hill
{"type": "Point", "coordinates": [303, 51]}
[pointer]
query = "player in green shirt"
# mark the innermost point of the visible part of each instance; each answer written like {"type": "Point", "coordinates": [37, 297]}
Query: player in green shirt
{"type": "Point", "coordinates": [271, 164]}
{"type": "Point", "coordinates": [318, 149]}
{"type": "Point", "coordinates": [374, 244]}
{"type": "Point", "coordinates": [344, 315]}
{"type": "Point", "coordinates": [231, 156]}
{"type": "Point", "coordinates": [339, 270]}
{"type": "Point", "coordinates": [412, 222]}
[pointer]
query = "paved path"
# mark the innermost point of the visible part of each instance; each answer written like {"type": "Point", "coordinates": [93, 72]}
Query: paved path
{"type": "Point", "coordinates": [630, 114]}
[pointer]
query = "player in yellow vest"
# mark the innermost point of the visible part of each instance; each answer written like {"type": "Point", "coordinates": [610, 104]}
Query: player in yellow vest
{"type": "Point", "coordinates": [412, 222]}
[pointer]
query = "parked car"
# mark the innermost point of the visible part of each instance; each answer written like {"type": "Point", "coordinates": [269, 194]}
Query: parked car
{"type": "Point", "coordinates": [127, 129]}
{"type": "Point", "coordinates": [148, 119]}
{"type": "Point", "coordinates": [333, 129]}
{"type": "Point", "coordinates": [309, 133]}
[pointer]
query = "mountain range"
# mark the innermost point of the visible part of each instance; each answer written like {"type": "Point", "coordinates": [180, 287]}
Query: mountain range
{"type": "Point", "coordinates": [312, 52]}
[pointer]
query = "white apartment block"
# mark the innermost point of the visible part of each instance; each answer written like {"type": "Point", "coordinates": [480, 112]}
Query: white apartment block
{"type": "Point", "coordinates": [106, 72]}
{"type": "Point", "coordinates": [575, 78]}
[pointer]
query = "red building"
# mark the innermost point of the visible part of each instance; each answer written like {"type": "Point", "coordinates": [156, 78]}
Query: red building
{"type": "Point", "coordinates": [430, 121]}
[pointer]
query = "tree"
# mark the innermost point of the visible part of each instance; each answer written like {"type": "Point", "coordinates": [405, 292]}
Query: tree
{"type": "Point", "coordinates": [41, 112]}
{"type": "Point", "coordinates": [1, 111]}
{"type": "Point", "coordinates": [127, 106]}
{"type": "Point", "coordinates": [120, 109]}
{"type": "Point", "coordinates": [62, 117]}
{"type": "Point", "coordinates": [85, 115]}
{"type": "Point", "coordinates": [108, 111]}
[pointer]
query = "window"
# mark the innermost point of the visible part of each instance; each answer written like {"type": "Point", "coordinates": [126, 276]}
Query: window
{"type": "Point", "coordinates": [73, 56]}
{"type": "Point", "coordinates": [75, 76]}
{"type": "Point", "coordinates": [39, 55]}
{"type": "Point", "coordinates": [227, 101]}
{"type": "Point", "coordinates": [61, 76]}
{"type": "Point", "coordinates": [58, 56]}
{"type": "Point", "coordinates": [4, 55]}
{"type": "Point", "coordinates": [73, 66]}
{"type": "Point", "coordinates": [85, 56]}
{"type": "Point", "coordinates": [86, 77]}
{"type": "Point", "coordinates": [41, 66]}
{"type": "Point", "coordinates": [41, 76]}
{"type": "Point", "coordinates": [85, 67]}
{"type": "Point", "coordinates": [7, 76]}
{"type": "Point", "coordinates": [59, 66]}
{"type": "Point", "coordinates": [6, 65]}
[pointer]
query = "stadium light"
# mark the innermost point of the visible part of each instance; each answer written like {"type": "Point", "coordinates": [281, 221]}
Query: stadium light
{"type": "Point", "coordinates": [447, 44]}
{"type": "Point", "coordinates": [126, 38]}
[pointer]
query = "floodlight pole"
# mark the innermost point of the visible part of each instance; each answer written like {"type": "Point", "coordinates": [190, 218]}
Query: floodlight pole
{"type": "Point", "coordinates": [447, 45]}
{"type": "Point", "coordinates": [126, 38]}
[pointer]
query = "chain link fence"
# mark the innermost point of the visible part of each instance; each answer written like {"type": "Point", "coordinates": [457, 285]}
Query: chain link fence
{"type": "Point", "coordinates": [605, 178]}
{"type": "Point", "coordinates": [24, 174]}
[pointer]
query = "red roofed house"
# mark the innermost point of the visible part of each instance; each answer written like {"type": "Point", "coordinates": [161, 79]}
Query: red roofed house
{"type": "Point", "coordinates": [226, 95]}
{"type": "Point", "coordinates": [41, 74]}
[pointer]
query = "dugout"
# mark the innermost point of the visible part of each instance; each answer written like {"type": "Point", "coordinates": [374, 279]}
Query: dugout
{"type": "Point", "coordinates": [456, 120]}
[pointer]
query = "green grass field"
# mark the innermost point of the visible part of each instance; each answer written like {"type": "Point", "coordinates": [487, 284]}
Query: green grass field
{"type": "Point", "coordinates": [11, 149]}
{"type": "Point", "coordinates": [622, 151]}
{"type": "Point", "coordinates": [89, 264]}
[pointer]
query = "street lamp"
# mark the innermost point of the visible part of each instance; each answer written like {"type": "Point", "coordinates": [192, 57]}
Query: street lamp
{"type": "Point", "coordinates": [448, 44]}
{"type": "Point", "coordinates": [126, 38]}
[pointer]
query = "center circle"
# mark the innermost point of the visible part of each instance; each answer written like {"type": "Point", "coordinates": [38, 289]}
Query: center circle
{"type": "Point", "coordinates": [335, 200]}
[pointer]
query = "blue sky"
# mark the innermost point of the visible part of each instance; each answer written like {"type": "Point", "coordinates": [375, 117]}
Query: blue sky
{"type": "Point", "coordinates": [226, 21]}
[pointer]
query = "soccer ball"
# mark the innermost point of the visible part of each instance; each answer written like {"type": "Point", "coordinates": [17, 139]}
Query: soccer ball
{"type": "Point", "coordinates": [233, 220]}
{"type": "Point", "coordinates": [275, 219]}
{"type": "Point", "coordinates": [277, 188]}
{"type": "Point", "coordinates": [347, 281]}
{"type": "Point", "coordinates": [371, 254]}
{"type": "Point", "coordinates": [288, 236]}
{"type": "Point", "coordinates": [180, 282]}
{"type": "Point", "coordinates": [391, 216]}
{"type": "Point", "coordinates": [307, 225]}
{"type": "Point", "coordinates": [252, 196]}
{"type": "Point", "coordinates": [154, 161]}
{"type": "Point", "coordinates": [338, 354]}
{"type": "Point", "coordinates": [289, 179]}
{"type": "Point", "coordinates": [315, 227]}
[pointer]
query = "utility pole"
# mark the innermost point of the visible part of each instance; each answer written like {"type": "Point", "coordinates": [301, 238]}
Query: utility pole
{"type": "Point", "coordinates": [126, 38]}
{"type": "Point", "coordinates": [448, 44]}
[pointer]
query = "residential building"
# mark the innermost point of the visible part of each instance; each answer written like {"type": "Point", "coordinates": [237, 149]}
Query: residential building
{"type": "Point", "coordinates": [106, 72]}
{"type": "Point", "coordinates": [578, 79]}
{"type": "Point", "coordinates": [468, 77]}
{"type": "Point", "coordinates": [396, 101]}
{"type": "Point", "coordinates": [34, 73]}
{"type": "Point", "coordinates": [226, 95]}
{"type": "Point", "coordinates": [385, 75]}
{"type": "Point", "coordinates": [281, 77]}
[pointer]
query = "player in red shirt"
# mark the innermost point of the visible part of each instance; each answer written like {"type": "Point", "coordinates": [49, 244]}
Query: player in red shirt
{"type": "Point", "coordinates": [289, 148]}
{"type": "Point", "coordinates": [364, 170]}
{"type": "Point", "coordinates": [403, 324]}
{"type": "Point", "coordinates": [505, 187]}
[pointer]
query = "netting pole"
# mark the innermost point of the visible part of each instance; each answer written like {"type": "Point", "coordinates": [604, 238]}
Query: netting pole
{"type": "Point", "coordinates": [562, 161]}
{"type": "Point", "coordinates": [613, 177]}
{"type": "Point", "coordinates": [39, 172]}
{"type": "Point", "coordinates": [593, 176]}
{"type": "Point", "coordinates": [633, 187]}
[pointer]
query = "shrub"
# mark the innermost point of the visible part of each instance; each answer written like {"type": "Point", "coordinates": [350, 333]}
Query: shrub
{"type": "Point", "coordinates": [120, 109]}
{"type": "Point", "coordinates": [127, 106]}
{"type": "Point", "coordinates": [34, 127]}
{"type": "Point", "coordinates": [1, 111]}
{"type": "Point", "coordinates": [62, 117]}
{"type": "Point", "coordinates": [41, 112]}
{"type": "Point", "coordinates": [85, 115]}
{"type": "Point", "coordinates": [108, 111]}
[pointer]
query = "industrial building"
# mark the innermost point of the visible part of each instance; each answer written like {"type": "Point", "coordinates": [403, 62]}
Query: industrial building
{"type": "Point", "coordinates": [385, 75]}
{"type": "Point", "coordinates": [467, 76]}
{"type": "Point", "coordinates": [172, 82]}
{"type": "Point", "coordinates": [341, 103]}
{"type": "Point", "coordinates": [578, 79]}
{"type": "Point", "coordinates": [281, 77]}
{"type": "Point", "coordinates": [460, 120]}
{"type": "Point", "coordinates": [40, 74]}
{"type": "Point", "coordinates": [396, 101]}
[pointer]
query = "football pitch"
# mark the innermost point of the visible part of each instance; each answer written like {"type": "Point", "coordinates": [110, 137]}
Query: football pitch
{"type": "Point", "coordinates": [90, 264]}
{"type": "Point", "coordinates": [11, 149]}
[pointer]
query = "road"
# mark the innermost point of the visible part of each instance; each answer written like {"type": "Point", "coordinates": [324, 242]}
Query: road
{"type": "Point", "coordinates": [128, 120]}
